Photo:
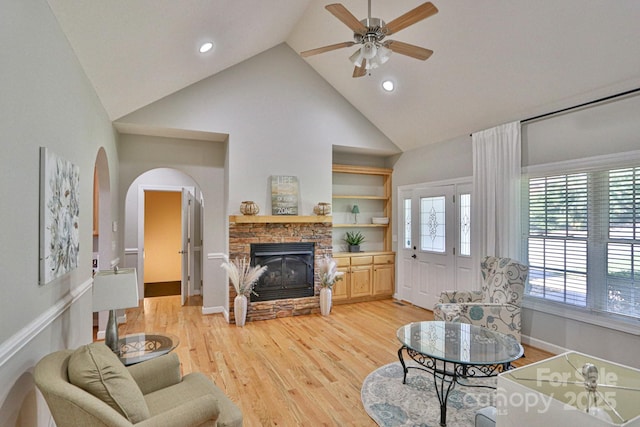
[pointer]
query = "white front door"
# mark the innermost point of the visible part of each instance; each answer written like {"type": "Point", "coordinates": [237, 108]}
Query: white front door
{"type": "Point", "coordinates": [434, 251]}
{"type": "Point", "coordinates": [434, 244]}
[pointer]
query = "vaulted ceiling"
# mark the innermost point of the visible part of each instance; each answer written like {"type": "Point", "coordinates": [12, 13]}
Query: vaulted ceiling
{"type": "Point", "coordinates": [494, 61]}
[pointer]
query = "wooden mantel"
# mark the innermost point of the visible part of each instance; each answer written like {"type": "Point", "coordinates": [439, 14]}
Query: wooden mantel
{"type": "Point", "coordinates": [279, 219]}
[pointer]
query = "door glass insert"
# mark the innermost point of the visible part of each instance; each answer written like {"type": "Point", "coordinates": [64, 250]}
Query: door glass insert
{"type": "Point", "coordinates": [432, 224]}
{"type": "Point", "coordinates": [465, 224]}
{"type": "Point", "coordinates": [407, 224]}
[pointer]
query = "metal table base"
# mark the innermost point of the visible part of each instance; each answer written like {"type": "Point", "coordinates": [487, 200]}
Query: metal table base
{"type": "Point", "coordinates": [447, 374]}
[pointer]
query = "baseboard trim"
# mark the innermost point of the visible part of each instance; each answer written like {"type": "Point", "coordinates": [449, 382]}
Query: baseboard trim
{"type": "Point", "coordinates": [213, 310]}
{"type": "Point", "coordinates": [543, 345]}
{"type": "Point", "coordinates": [20, 339]}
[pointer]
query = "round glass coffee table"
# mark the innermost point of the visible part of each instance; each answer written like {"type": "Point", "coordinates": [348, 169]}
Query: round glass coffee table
{"type": "Point", "coordinates": [455, 351]}
{"type": "Point", "coordinates": [136, 348]}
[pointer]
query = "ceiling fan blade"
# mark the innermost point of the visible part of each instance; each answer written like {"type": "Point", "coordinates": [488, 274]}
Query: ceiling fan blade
{"type": "Point", "coordinates": [409, 50]}
{"type": "Point", "coordinates": [326, 49]}
{"type": "Point", "coordinates": [421, 12]}
{"type": "Point", "coordinates": [360, 71]}
{"type": "Point", "coordinates": [347, 18]}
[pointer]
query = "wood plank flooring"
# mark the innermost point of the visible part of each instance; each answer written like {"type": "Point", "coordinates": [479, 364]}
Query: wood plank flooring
{"type": "Point", "coordinates": [293, 371]}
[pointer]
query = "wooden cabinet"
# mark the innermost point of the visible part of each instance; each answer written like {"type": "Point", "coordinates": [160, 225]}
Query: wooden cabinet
{"type": "Point", "coordinates": [367, 276]}
{"type": "Point", "coordinates": [383, 275]}
{"type": "Point", "coordinates": [342, 287]}
{"type": "Point", "coordinates": [361, 281]}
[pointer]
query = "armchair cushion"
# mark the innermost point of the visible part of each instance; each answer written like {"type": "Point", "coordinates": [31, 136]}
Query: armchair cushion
{"type": "Point", "coordinates": [97, 370]}
{"type": "Point", "coordinates": [157, 373]}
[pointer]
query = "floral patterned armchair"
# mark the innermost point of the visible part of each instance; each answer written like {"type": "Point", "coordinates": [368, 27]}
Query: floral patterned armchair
{"type": "Point", "coordinates": [496, 306]}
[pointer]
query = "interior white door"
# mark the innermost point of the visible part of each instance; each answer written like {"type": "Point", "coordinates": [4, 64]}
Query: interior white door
{"type": "Point", "coordinates": [187, 220]}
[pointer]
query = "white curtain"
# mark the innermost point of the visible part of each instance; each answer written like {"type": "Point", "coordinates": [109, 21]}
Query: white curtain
{"type": "Point", "coordinates": [496, 192]}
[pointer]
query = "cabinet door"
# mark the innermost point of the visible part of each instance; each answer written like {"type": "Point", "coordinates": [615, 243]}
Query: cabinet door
{"type": "Point", "coordinates": [341, 288]}
{"type": "Point", "coordinates": [383, 278]}
{"type": "Point", "coordinates": [361, 281]}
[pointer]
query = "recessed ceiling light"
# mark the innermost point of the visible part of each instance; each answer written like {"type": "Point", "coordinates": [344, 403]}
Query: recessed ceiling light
{"type": "Point", "coordinates": [388, 85]}
{"type": "Point", "coordinates": [206, 47]}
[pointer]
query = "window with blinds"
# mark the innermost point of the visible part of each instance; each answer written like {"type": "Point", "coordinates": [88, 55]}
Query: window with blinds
{"type": "Point", "coordinates": [623, 242]}
{"type": "Point", "coordinates": [583, 239]}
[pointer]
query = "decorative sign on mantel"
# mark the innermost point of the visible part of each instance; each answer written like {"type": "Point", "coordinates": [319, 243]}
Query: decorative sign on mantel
{"type": "Point", "coordinates": [284, 195]}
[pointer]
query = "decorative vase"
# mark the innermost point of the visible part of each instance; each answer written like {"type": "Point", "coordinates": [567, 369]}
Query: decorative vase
{"type": "Point", "coordinates": [354, 248]}
{"type": "Point", "coordinates": [325, 301]}
{"type": "Point", "coordinates": [240, 309]}
{"type": "Point", "coordinates": [249, 208]}
{"type": "Point", "coordinates": [322, 208]}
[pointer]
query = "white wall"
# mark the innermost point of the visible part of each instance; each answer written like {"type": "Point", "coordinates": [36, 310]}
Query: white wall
{"type": "Point", "coordinates": [46, 101]}
{"type": "Point", "coordinates": [607, 129]}
{"type": "Point", "coordinates": [282, 119]}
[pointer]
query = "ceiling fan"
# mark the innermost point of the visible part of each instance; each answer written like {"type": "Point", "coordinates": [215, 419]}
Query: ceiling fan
{"type": "Point", "coordinates": [370, 33]}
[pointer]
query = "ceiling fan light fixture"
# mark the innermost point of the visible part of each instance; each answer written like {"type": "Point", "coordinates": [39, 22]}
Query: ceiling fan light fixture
{"type": "Point", "coordinates": [357, 58]}
{"type": "Point", "coordinates": [369, 50]}
{"type": "Point", "coordinates": [384, 54]}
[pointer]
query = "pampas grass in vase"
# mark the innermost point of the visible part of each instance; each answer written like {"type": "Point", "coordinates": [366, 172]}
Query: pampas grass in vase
{"type": "Point", "coordinates": [243, 276]}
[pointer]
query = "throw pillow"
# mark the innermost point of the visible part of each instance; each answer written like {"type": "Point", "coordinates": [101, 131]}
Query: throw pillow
{"type": "Point", "coordinates": [97, 370]}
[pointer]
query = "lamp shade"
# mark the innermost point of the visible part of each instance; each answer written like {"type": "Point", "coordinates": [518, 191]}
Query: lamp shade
{"type": "Point", "coordinates": [355, 209]}
{"type": "Point", "coordinates": [115, 289]}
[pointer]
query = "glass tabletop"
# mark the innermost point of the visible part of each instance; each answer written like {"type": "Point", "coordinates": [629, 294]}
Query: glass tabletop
{"type": "Point", "coordinates": [136, 348]}
{"type": "Point", "coordinates": [460, 343]}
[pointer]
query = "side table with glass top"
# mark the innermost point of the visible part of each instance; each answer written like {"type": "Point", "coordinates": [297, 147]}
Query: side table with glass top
{"type": "Point", "coordinates": [455, 351]}
{"type": "Point", "coordinates": [136, 348]}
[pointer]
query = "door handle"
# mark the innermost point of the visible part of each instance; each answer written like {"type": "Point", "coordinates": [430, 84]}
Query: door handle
{"type": "Point", "coordinates": [414, 256]}
{"type": "Point", "coordinates": [181, 252]}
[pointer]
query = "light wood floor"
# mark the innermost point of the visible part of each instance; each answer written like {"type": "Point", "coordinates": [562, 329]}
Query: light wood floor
{"type": "Point", "coordinates": [294, 371]}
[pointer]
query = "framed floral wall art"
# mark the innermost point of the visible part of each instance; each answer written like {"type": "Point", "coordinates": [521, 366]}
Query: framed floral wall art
{"type": "Point", "coordinates": [59, 216]}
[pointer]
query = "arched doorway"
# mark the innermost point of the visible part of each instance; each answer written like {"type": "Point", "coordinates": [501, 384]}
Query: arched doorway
{"type": "Point", "coordinates": [102, 224]}
{"type": "Point", "coordinates": [166, 180]}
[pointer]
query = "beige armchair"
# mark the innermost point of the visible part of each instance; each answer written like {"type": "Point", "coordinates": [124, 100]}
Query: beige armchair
{"type": "Point", "coordinates": [496, 306]}
{"type": "Point", "coordinates": [91, 387]}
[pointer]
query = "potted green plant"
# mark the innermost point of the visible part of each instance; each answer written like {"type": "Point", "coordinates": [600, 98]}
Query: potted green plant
{"type": "Point", "coordinates": [354, 239]}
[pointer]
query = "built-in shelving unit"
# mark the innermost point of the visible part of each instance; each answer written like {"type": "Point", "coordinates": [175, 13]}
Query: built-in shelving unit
{"type": "Point", "coordinates": [370, 274]}
{"type": "Point", "coordinates": [370, 188]}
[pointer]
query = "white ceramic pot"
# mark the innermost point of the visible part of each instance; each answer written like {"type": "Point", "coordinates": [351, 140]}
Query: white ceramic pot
{"type": "Point", "coordinates": [325, 301]}
{"type": "Point", "coordinates": [240, 309]}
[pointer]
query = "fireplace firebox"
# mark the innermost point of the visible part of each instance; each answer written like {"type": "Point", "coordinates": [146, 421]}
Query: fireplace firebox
{"type": "Point", "coordinates": [289, 270]}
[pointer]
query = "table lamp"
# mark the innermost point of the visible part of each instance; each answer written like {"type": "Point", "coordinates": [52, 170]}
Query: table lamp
{"type": "Point", "coordinates": [113, 290]}
{"type": "Point", "coordinates": [355, 210]}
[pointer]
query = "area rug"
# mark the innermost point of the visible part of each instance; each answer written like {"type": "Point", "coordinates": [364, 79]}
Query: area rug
{"type": "Point", "coordinates": [393, 404]}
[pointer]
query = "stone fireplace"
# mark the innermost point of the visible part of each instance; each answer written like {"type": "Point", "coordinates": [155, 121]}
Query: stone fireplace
{"type": "Point", "coordinates": [263, 232]}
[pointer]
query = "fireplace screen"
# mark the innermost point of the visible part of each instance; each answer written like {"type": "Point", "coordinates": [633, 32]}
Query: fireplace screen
{"type": "Point", "coordinates": [289, 270]}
